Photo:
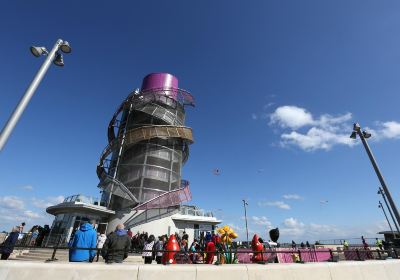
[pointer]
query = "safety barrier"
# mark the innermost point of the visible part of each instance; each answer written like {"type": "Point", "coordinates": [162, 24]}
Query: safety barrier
{"type": "Point", "coordinates": [244, 255]}
{"type": "Point", "coordinates": [379, 270]}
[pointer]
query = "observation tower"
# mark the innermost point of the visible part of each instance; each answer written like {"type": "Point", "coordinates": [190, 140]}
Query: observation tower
{"type": "Point", "coordinates": [148, 144]}
{"type": "Point", "coordinates": [140, 170]}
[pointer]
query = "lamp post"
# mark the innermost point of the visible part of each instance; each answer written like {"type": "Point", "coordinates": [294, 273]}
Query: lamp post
{"type": "Point", "coordinates": [384, 213]}
{"type": "Point", "coordinates": [381, 192]}
{"type": "Point", "coordinates": [245, 217]}
{"type": "Point", "coordinates": [364, 135]}
{"type": "Point", "coordinates": [54, 56]}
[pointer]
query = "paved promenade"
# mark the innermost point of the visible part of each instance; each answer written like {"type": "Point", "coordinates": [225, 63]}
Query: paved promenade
{"type": "Point", "coordinates": [349, 270]}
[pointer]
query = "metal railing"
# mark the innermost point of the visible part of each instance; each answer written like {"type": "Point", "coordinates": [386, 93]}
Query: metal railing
{"type": "Point", "coordinates": [351, 241]}
{"type": "Point", "coordinates": [246, 255]}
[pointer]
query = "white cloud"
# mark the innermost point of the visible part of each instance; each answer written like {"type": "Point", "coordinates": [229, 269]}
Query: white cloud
{"type": "Point", "coordinates": [292, 196]}
{"type": "Point", "coordinates": [31, 214]}
{"type": "Point", "coordinates": [292, 228]}
{"type": "Point", "coordinates": [320, 133]}
{"type": "Point", "coordinates": [15, 210]}
{"type": "Point", "coordinates": [236, 227]}
{"type": "Point", "coordinates": [316, 139]}
{"type": "Point", "coordinates": [270, 104]}
{"type": "Point", "coordinates": [309, 133]}
{"type": "Point", "coordinates": [49, 201]}
{"type": "Point", "coordinates": [295, 229]}
{"type": "Point", "coordinates": [279, 204]}
{"type": "Point", "coordinates": [292, 222]}
{"type": "Point", "coordinates": [385, 130]}
{"type": "Point", "coordinates": [40, 203]}
{"type": "Point", "coordinates": [11, 202]}
{"type": "Point", "coordinates": [261, 221]}
{"type": "Point", "coordinates": [291, 116]}
{"type": "Point", "coordinates": [330, 121]}
{"type": "Point", "coordinates": [27, 188]}
{"type": "Point", "coordinates": [56, 199]}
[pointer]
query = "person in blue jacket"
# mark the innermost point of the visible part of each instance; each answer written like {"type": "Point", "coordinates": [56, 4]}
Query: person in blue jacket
{"type": "Point", "coordinates": [85, 237]}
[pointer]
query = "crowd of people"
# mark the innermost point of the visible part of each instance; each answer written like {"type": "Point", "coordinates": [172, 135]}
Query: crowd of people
{"type": "Point", "coordinates": [114, 248]}
{"type": "Point", "coordinates": [87, 245]}
{"type": "Point", "coordinates": [34, 237]}
{"type": "Point", "coordinates": [302, 245]}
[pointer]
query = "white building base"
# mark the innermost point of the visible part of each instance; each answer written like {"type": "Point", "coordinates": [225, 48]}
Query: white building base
{"type": "Point", "coordinates": [167, 221]}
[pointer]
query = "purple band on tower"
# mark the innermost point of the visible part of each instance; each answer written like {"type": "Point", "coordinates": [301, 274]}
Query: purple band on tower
{"type": "Point", "coordinates": [159, 80]}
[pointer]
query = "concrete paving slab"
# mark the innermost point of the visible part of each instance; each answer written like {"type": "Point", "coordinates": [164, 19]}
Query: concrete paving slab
{"type": "Point", "coordinates": [310, 271]}
{"type": "Point", "coordinates": [373, 270]}
{"type": "Point", "coordinates": [268, 271]}
{"type": "Point", "coordinates": [227, 271]}
{"type": "Point", "coordinates": [392, 269]}
{"type": "Point", "coordinates": [344, 270]}
{"type": "Point", "coordinates": [170, 272]}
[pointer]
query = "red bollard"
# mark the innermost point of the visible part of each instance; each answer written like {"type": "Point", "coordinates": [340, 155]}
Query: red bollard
{"type": "Point", "coordinates": [257, 246]}
{"type": "Point", "coordinates": [172, 245]}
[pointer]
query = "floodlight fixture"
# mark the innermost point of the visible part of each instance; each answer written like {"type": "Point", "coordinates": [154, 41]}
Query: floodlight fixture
{"type": "Point", "coordinates": [384, 213]}
{"type": "Point", "coordinates": [59, 60]}
{"type": "Point", "coordinates": [38, 51]}
{"type": "Point", "coordinates": [366, 134]}
{"type": "Point", "coordinates": [52, 56]}
{"type": "Point", "coordinates": [65, 47]}
{"type": "Point", "coordinates": [384, 191]}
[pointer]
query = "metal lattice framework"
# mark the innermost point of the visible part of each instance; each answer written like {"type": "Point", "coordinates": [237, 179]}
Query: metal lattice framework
{"type": "Point", "coordinates": [148, 144]}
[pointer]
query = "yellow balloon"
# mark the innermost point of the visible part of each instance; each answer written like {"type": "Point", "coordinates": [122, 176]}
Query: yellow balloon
{"type": "Point", "coordinates": [221, 231]}
{"type": "Point", "coordinates": [226, 228]}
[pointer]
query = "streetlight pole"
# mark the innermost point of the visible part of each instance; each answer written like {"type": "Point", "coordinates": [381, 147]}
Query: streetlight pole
{"type": "Point", "coordinates": [390, 211]}
{"type": "Point", "coordinates": [384, 213]}
{"type": "Point", "coordinates": [363, 135]}
{"type": "Point", "coordinates": [53, 56]}
{"type": "Point", "coordinates": [245, 217]}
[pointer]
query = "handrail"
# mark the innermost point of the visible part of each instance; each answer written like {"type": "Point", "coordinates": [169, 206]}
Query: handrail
{"type": "Point", "coordinates": [230, 251]}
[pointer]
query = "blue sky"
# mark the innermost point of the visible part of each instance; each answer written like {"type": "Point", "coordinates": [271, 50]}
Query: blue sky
{"type": "Point", "coordinates": [277, 84]}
